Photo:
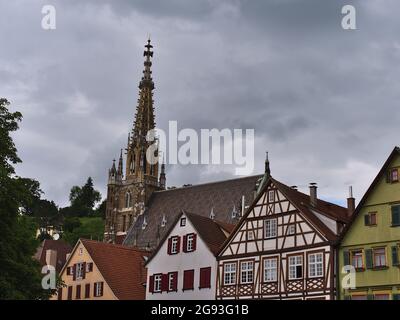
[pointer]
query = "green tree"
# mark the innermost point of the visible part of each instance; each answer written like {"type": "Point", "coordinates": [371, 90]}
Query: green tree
{"type": "Point", "coordinates": [83, 199]}
{"type": "Point", "coordinates": [20, 274]}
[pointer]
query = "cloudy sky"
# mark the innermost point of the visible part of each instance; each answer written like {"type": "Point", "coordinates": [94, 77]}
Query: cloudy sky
{"type": "Point", "coordinates": [323, 101]}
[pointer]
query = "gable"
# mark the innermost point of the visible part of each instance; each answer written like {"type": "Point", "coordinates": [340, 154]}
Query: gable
{"type": "Point", "coordinates": [250, 236]}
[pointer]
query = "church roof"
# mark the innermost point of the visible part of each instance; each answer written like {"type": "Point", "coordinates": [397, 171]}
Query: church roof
{"type": "Point", "coordinates": [220, 197]}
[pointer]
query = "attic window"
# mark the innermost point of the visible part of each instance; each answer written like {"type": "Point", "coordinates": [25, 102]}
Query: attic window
{"type": "Point", "coordinates": [392, 175]}
{"type": "Point", "coordinates": [183, 222]}
{"type": "Point", "coordinates": [80, 251]}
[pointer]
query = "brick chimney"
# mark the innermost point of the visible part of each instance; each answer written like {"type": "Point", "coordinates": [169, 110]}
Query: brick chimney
{"type": "Point", "coordinates": [313, 194]}
{"type": "Point", "coordinates": [351, 202]}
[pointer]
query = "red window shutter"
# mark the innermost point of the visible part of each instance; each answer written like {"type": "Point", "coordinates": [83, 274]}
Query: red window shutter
{"type": "Point", "coordinates": [169, 245]}
{"type": "Point", "coordinates": [59, 294]}
{"type": "Point", "coordinates": [184, 249]}
{"type": "Point", "coordinates": [87, 290]}
{"type": "Point", "coordinates": [101, 288]}
{"type": "Point", "coordinates": [84, 271]}
{"type": "Point", "coordinates": [68, 271]}
{"type": "Point", "coordinates": [151, 284]}
{"type": "Point", "coordinates": [205, 277]}
{"type": "Point", "coordinates": [175, 281]}
{"type": "Point", "coordinates": [164, 282]}
{"type": "Point", "coordinates": [90, 266]}
{"type": "Point", "coordinates": [178, 244]}
{"type": "Point", "coordinates": [194, 241]}
{"type": "Point", "coordinates": [70, 293]}
{"type": "Point", "coordinates": [95, 289]}
{"type": "Point", "coordinates": [188, 278]}
{"type": "Point", "coordinates": [78, 292]}
{"type": "Point", "coordinates": [74, 272]}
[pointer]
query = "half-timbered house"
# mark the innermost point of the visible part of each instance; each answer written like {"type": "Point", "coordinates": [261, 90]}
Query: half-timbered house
{"type": "Point", "coordinates": [284, 247]}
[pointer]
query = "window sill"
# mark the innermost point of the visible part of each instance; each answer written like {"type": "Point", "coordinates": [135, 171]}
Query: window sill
{"type": "Point", "coordinates": [204, 287]}
{"type": "Point", "coordinates": [188, 289]}
{"type": "Point", "coordinates": [380, 268]}
{"type": "Point", "coordinates": [360, 269]}
{"type": "Point", "coordinates": [395, 225]}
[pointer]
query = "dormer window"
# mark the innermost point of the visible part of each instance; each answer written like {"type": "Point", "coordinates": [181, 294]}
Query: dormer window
{"type": "Point", "coordinates": [163, 221]}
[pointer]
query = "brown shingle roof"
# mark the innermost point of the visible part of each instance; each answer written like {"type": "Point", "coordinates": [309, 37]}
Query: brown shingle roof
{"type": "Point", "coordinates": [122, 268]}
{"type": "Point", "coordinates": [60, 246]}
{"type": "Point", "coordinates": [220, 196]}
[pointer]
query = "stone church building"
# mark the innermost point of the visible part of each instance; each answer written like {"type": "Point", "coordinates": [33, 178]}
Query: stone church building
{"type": "Point", "coordinates": [140, 209]}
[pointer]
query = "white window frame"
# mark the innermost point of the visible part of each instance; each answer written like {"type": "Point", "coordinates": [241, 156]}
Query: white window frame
{"type": "Point", "coordinates": [79, 271]}
{"type": "Point", "coordinates": [316, 265]}
{"type": "Point", "coordinates": [270, 228]}
{"type": "Point", "coordinates": [294, 262]}
{"type": "Point", "coordinates": [157, 282]}
{"type": "Point", "coordinates": [230, 273]}
{"type": "Point", "coordinates": [174, 245]}
{"type": "Point", "coordinates": [189, 242]}
{"type": "Point", "coordinates": [99, 289]}
{"type": "Point", "coordinates": [246, 272]}
{"type": "Point", "coordinates": [270, 270]}
{"type": "Point", "coordinates": [170, 281]}
{"type": "Point", "coordinates": [290, 230]}
{"type": "Point", "coordinates": [250, 235]}
{"type": "Point", "coordinates": [271, 196]}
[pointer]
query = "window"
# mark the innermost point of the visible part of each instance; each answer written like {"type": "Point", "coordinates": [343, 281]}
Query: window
{"type": "Point", "coordinates": [89, 267]}
{"type": "Point", "coordinates": [246, 272]}
{"type": "Point", "coordinates": [183, 222]}
{"type": "Point", "coordinates": [188, 279]}
{"type": "Point", "coordinates": [87, 290]}
{"type": "Point", "coordinates": [173, 281]}
{"type": "Point", "coordinates": [98, 289]}
{"type": "Point", "coordinates": [271, 196]}
{"type": "Point", "coordinates": [80, 251]}
{"type": "Point", "coordinates": [205, 278]}
{"type": "Point", "coordinates": [315, 265]}
{"type": "Point", "coordinates": [370, 219]}
{"type": "Point", "coordinates": [229, 273]}
{"type": "Point", "coordinates": [79, 270]}
{"type": "Point", "coordinates": [295, 267]}
{"type": "Point", "coordinates": [396, 215]}
{"type": "Point", "coordinates": [291, 229]}
{"type": "Point", "coordinates": [270, 226]}
{"type": "Point", "coordinates": [270, 270]}
{"type": "Point", "coordinates": [357, 259]}
{"type": "Point", "coordinates": [381, 296]}
{"type": "Point", "coordinates": [128, 200]}
{"type": "Point", "coordinates": [250, 235]}
{"type": "Point", "coordinates": [123, 223]}
{"type": "Point", "coordinates": [379, 255]}
{"type": "Point", "coordinates": [157, 282]}
{"type": "Point", "coordinates": [69, 297]}
{"type": "Point", "coordinates": [189, 242]}
{"type": "Point", "coordinates": [78, 292]}
{"type": "Point", "coordinates": [394, 175]}
{"type": "Point", "coordinates": [173, 245]}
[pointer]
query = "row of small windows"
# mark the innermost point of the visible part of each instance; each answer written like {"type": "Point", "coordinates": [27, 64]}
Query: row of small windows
{"type": "Point", "coordinates": [97, 291]}
{"type": "Point", "coordinates": [271, 230]}
{"type": "Point", "coordinates": [143, 160]}
{"type": "Point", "coordinates": [374, 258]}
{"type": "Point", "coordinates": [189, 244]}
{"type": "Point", "coordinates": [371, 218]}
{"type": "Point", "coordinates": [270, 269]}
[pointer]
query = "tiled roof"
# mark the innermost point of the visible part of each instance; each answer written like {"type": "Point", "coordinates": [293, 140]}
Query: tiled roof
{"type": "Point", "coordinates": [209, 231]}
{"type": "Point", "coordinates": [221, 197]}
{"type": "Point", "coordinates": [122, 268]}
{"type": "Point", "coordinates": [61, 247]}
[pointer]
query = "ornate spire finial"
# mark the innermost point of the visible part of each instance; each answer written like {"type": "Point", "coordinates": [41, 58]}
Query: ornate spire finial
{"type": "Point", "coordinates": [267, 168]}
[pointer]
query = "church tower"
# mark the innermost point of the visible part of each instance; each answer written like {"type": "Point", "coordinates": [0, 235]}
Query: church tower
{"type": "Point", "coordinates": [127, 196]}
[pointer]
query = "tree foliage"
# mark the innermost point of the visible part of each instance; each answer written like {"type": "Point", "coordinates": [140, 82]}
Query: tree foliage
{"type": "Point", "coordinates": [83, 199]}
{"type": "Point", "coordinates": [20, 276]}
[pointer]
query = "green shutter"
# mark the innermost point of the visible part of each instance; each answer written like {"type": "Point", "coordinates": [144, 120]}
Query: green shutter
{"type": "Point", "coordinates": [370, 297]}
{"type": "Point", "coordinates": [395, 256]}
{"type": "Point", "coordinates": [396, 215]}
{"type": "Point", "coordinates": [388, 176]}
{"type": "Point", "coordinates": [396, 296]}
{"type": "Point", "coordinates": [368, 258]}
{"type": "Point", "coordinates": [346, 258]}
{"type": "Point", "coordinates": [367, 220]}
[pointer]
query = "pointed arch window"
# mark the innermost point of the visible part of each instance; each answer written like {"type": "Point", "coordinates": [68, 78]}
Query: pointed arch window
{"type": "Point", "coordinates": [128, 200]}
{"type": "Point", "coordinates": [132, 164]}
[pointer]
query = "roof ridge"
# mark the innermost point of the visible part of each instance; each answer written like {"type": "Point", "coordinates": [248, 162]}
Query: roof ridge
{"type": "Point", "coordinates": [208, 183]}
{"type": "Point", "coordinates": [116, 246]}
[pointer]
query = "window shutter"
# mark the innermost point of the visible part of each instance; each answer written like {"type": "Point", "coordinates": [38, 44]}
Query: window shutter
{"type": "Point", "coordinates": [101, 289]}
{"type": "Point", "coordinates": [95, 289]}
{"type": "Point", "coordinates": [169, 245]}
{"type": "Point", "coordinates": [164, 282]}
{"type": "Point", "coordinates": [87, 290]}
{"type": "Point", "coordinates": [151, 284]}
{"type": "Point", "coordinates": [205, 277]}
{"type": "Point", "coordinates": [78, 291]}
{"type": "Point", "coordinates": [70, 293]}
{"type": "Point", "coordinates": [90, 266]}
{"type": "Point", "coordinates": [178, 245]}
{"type": "Point", "coordinates": [346, 258]}
{"type": "Point", "coordinates": [84, 270]}
{"type": "Point", "coordinates": [68, 271]}
{"type": "Point", "coordinates": [184, 249]}
{"type": "Point", "coordinates": [388, 177]}
{"type": "Point", "coordinates": [188, 278]}
{"type": "Point", "coordinates": [59, 294]}
{"type": "Point", "coordinates": [368, 258]}
{"type": "Point", "coordinates": [395, 215]}
{"type": "Point", "coordinates": [367, 220]}
{"type": "Point", "coordinates": [396, 296]}
{"type": "Point", "coordinates": [194, 241]}
{"type": "Point", "coordinates": [74, 272]}
{"type": "Point", "coordinates": [395, 256]}
{"type": "Point", "coordinates": [175, 281]}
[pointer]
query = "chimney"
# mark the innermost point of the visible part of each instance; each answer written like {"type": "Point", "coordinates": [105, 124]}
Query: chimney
{"type": "Point", "coordinates": [351, 202]}
{"type": "Point", "coordinates": [51, 258]}
{"type": "Point", "coordinates": [313, 194]}
{"type": "Point", "coordinates": [294, 187]}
